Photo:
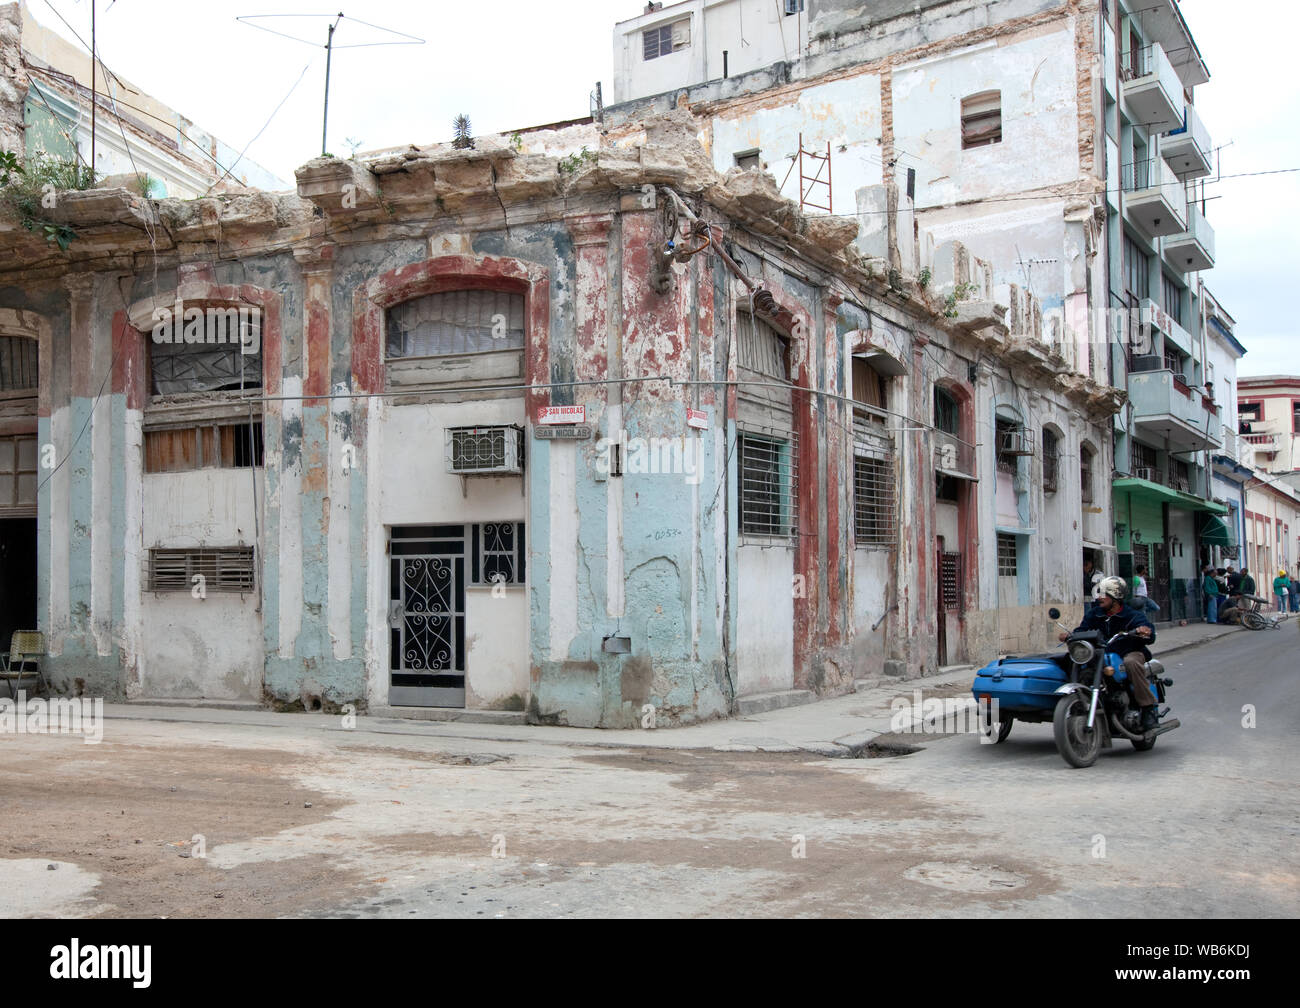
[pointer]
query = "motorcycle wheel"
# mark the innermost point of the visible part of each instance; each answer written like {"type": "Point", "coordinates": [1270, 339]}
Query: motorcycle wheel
{"type": "Point", "coordinates": [1077, 745]}
{"type": "Point", "coordinates": [1253, 621]}
{"type": "Point", "coordinates": [1004, 728]}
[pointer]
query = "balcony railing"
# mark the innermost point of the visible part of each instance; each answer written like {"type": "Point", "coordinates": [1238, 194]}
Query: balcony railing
{"type": "Point", "coordinates": [1154, 198]}
{"type": "Point", "coordinates": [1187, 148]}
{"type": "Point", "coordinates": [1167, 407]}
{"type": "Point", "coordinates": [1151, 88]}
{"type": "Point", "coordinates": [1269, 444]}
{"type": "Point", "coordinates": [1193, 249]}
{"type": "Point", "coordinates": [952, 455]}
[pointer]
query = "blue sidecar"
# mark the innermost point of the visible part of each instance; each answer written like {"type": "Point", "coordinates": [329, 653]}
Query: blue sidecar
{"type": "Point", "coordinates": [1025, 689]}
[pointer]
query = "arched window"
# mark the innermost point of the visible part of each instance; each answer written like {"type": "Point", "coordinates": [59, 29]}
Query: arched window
{"type": "Point", "coordinates": [1051, 460]}
{"type": "Point", "coordinates": [455, 322]}
{"type": "Point", "coordinates": [1086, 458]}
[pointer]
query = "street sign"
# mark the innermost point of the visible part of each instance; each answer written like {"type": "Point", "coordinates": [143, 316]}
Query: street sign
{"type": "Point", "coordinates": [697, 418]}
{"type": "Point", "coordinates": [577, 432]}
{"type": "Point", "coordinates": [561, 414]}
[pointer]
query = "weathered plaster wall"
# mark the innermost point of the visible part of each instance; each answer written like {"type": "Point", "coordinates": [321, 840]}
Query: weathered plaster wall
{"type": "Point", "coordinates": [199, 647]}
{"type": "Point", "coordinates": [844, 112]}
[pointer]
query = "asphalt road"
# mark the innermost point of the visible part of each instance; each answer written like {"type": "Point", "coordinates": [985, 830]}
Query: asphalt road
{"type": "Point", "coordinates": [297, 821]}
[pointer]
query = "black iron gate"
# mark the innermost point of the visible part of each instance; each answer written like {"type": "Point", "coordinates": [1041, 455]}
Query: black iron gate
{"type": "Point", "coordinates": [1158, 579]}
{"type": "Point", "coordinates": [426, 616]}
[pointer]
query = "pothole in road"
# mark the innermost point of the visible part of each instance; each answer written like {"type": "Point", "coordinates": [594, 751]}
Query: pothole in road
{"type": "Point", "coordinates": [881, 750]}
{"type": "Point", "coordinates": [964, 876]}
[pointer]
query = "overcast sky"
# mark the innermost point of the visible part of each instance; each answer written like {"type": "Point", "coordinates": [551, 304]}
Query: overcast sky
{"type": "Point", "coordinates": [508, 64]}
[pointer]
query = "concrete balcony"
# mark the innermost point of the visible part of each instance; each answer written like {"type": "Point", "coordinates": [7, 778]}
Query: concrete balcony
{"type": "Point", "coordinates": [1192, 250]}
{"type": "Point", "coordinates": [1187, 149]}
{"type": "Point", "coordinates": [1154, 199]}
{"type": "Point", "coordinates": [1167, 409]}
{"type": "Point", "coordinates": [1151, 88]}
{"type": "Point", "coordinates": [1265, 445]}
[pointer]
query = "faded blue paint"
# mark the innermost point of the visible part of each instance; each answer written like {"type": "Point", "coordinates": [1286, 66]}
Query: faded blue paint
{"type": "Point", "coordinates": [80, 525]}
{"type": "Point", "coordinates": [117, 512]}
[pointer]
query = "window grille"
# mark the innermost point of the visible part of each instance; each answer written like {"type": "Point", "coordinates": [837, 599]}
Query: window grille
{"type": "Point", "coordinates": [1051, 462]}
{"type": "Point", "coordinates": [491, 450]}
{"type": "Point", "coordinates": [19, 357]}
{"type": "Point", "coordinates": [226, 569]}
{"type": "Point", "coordinates": [873, 501]}
{"type": "Point", "coordinates": [1006, 555]}
{"type": "Point", "coordinates": [981, 120]}
{"type": "Point", "coordinates": [1085, 476]}
{"type": "Point", "coordinates": [216, 364]}
{"type": "Point", "coordinates": [498, 553]}
{"type": "Point", "coordinates": [455, 322]}
{"type": "Point", "coordinates": [768, 485]}
{"type": "Point", "coordinates": [950, 580]}
{"type": "Point", "coordinates": [664, 39]}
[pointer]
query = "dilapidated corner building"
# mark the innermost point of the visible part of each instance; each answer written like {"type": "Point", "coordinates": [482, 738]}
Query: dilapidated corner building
{"type": "Point", "coordinates": [504, 430]}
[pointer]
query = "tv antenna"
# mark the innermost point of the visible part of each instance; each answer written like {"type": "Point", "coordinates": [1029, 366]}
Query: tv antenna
{"type": "Point", "coordinates": [402, 39]}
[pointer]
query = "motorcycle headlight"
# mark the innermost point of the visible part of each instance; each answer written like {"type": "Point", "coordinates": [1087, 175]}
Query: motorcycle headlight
{"type": "Point", "coordinates": [1081, 652]}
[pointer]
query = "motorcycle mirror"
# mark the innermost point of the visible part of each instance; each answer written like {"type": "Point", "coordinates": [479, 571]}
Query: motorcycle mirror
{"type": "Point", "coordinates": [1054, 613]}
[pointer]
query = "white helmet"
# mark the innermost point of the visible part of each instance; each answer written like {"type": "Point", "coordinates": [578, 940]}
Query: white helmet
{"type": "Point", "coordinates": [1112, 586]}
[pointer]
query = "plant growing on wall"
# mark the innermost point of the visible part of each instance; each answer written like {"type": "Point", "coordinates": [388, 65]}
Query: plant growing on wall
{"type": "Point", "coordinates": [463, 139]}
{"type": "Point", "coordinates": [959, 293]}
{"type": "Point", "coordinates": [576, 162]}
{"type": "Point", "coordinates": [30, 188]}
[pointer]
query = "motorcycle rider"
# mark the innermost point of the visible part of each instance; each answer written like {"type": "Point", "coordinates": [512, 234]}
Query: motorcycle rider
{"type": "Point", "coordinates": [1111, 616]}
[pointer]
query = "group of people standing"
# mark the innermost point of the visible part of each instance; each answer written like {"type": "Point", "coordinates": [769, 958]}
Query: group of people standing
{"type": "Point", "coordinates": [1221, 591]}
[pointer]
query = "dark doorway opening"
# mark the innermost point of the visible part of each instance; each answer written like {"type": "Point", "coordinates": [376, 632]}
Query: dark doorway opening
{"type": "Point", "coordinates": [17, 577]}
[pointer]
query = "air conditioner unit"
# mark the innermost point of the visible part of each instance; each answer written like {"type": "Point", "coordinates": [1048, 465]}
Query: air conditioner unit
{"type": "Point", "coordinates": [1146, 473]}
{"type": "Point", "coordinates": [1016, 441]}
{"type": "Point", "coordinates": [485, 451]}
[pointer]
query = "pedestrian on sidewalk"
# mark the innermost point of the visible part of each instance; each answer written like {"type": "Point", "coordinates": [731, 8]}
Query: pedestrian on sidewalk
{"type": "Point", "coordinates": [1142, 601]}
{"type": "Point", "coordinates": [1281, 589]}
{"type": "Point", "coordinates": [1210, 589]}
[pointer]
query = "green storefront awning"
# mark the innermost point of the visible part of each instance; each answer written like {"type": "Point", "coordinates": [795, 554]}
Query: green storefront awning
{"type": "Point", "coordinates": [1167, 495]}
{"type": "Point", "coordinates": [1217, 533]}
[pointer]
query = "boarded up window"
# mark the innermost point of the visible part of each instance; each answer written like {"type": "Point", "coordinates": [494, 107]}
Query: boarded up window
{"type": "Point", "coordinates": [761, 348]}
{"type": "Point", "coordinates": [456, 322]}
{"type": "Point", "coordinates": [18, 359]}
{"type": "Point", "coordinates": [981, 119]}
{"type": "Point", "coordinates": [221, 446]}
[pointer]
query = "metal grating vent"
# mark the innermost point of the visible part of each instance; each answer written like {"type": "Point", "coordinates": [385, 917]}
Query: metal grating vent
{"type": "Point", "coordinates": [768, 485]}
{"type": "Point", "coordinates": [229, 569]}
{"type": "Point", "coordinates": [485, 450]}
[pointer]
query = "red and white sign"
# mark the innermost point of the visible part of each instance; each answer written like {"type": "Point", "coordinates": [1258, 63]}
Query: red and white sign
{"type": "Point", "coordinates": [697, 418]}
{"type": "Point", "coordinates": [562, 414]}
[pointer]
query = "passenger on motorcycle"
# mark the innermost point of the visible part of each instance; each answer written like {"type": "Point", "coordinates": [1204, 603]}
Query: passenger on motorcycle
{"type": "Point", "coordinates": [1111, 616]}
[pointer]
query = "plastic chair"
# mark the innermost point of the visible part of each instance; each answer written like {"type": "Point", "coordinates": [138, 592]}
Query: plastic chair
{"type": "Point", "coordinates": [24, 661]}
